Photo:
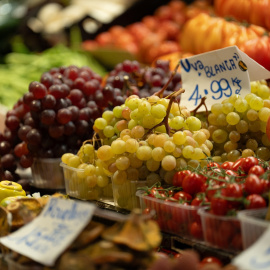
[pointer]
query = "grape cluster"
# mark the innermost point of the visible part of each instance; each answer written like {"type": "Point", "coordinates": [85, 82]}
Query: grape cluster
{"type": "Point", "coordinates": [130, 78]}
{"type": "Point", "coordinates": [53, 117]}
{"type": "Point", "coordinates": [238, 125]}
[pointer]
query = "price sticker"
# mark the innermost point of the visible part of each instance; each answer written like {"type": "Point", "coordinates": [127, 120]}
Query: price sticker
{"type": "Point", "coordinates": [256, 256]}
{"type": "Point", "coordinates": [47, 236]}
{"type": "Point", "coordinates": [217, 75]}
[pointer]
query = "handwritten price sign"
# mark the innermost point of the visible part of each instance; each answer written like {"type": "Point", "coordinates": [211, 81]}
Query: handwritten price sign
{"type": "Point", "coordinates": [48, 235]}
{"type": "Point", "coordinates": [217, 75]}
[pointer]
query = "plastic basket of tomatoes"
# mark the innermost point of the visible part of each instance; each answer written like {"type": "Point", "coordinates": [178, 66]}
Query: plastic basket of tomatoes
{"type": "Point", "coordinates": [222, 232]}
{"type": "Point", "coordinates": [253, 225]}
{"type": "Point", "coordinates": [172, 213]}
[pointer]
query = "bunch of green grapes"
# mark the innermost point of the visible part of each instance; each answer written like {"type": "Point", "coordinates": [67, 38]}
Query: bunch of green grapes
{"type": "Point", "coordinates": [85, 177]}
{"type": "Point", "coordinates": [147, 113]}
{"type": "Point", "coordinates": [136, 158]}
{"type": "Point", "coordinates": [238, 125]}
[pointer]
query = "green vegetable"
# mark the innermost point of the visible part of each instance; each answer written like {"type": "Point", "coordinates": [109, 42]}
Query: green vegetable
{"type": "Point", "coordinates": [22, 68]}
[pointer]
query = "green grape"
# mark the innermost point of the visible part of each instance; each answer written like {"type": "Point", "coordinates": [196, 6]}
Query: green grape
{"type": "Point", "coordinates": [65, 157]}
{"type": "Point", "coordinates": [132, 123]}
{"type": "Point", "coordinates": [160, 139]}
{"type": "Point", "coordinates": [190, 141]}
{"type": "Point", "coordinates": [254, 86]}
{"type": "Point", "coordinates": [100, 123]}
{"type": "Point", "coordinates": [151, 138]}
{"type": "Point", "coordinates": [265, 140]}
{"type": "Point", "coordinates": [252, 144]}
{"type": "Point", "coordinates": [254, 126]}
{"type": "Point", "coordinates": [91, 181]}
{"type": "Point", "coordinates": [263, 91]}
{"type": "Point", "coordinates": [179, 137]}
{"type": "Point", "coordinates": [137, 132]}
{"type": "Point", "coordinates": [119, 177]}
{"type": "Point", "coordinates": [219, 136]}
{"type": "Point", "coordinates": [177, 152]}
{"type": "Point", "coordinates": [252, 115]}
{"type": "Point", "coordinates": [264, 114]}
{"type": "Point", "coordinates": [263, 127]}
{"type": "Point", "coordinates": [108, 116]}
{"type": "Point", "coordinates": [148, 121]}
{"type": "Point", "coordinates": [143, 172]}
{"type": "Point", "coordinates": [158, 153]}
{"type": "Point", "coordinates": [117, 111]}
{"type": "Point", "coordinates": [90, 169]}
{"type": "Point", "coordinates": [144, 152]}
{"type": "Point", "coordinates": [248, 153]}
{"type": "Point", "coordinates": [153, 99]}
{"type": "Point", "coordinates": [188, 151]}
{"type": "Point", "coordinates": [152, 178]}
{"type": "Point", "coordinates": [263, 153]}
{"type": "Point", "coordinates": [102, 181]}
{"type": "Point", "coordinates": [168, 163]}
{"type": "Point", "coordinates": [144, 107]}
{"type": "Point", "coordinates": [132, 145]}
{"type": "Point", "coordinates": [152, 165]}
{"type": "Point", "coordinates": [221, 119]}
{"type": "Point", "coordinates": [158, 111]}
{"type": "Point", "coordinates": [233, 98]}
{"type": "Point", "coordinates": [134, 161]}
{"type": "Point", "coordinates": [242, 126]}
{"type": "Point", "coordinates": [198, 154]}
{"type": "Point", "coordinates": [234, 136]}
{"type": "Point", "coordinates": [227, 108]}
{"type": "Point", "coordinates": [74, 161]}
{"type": "Point", "coordinates": [180, 164]}
{"type": "Point", "coordinates": [176, 122]}
{"type": "Point", "coordinates": [232, 118]}
{"type": "Point", "coordinates": [241, 105]}
{"type": "Point", "coordinates": [118, 147]}
{"type": "Point", "coordinates": [122, 163]}
{"type": "Point", "coordinates": [80, 171]}
{"type": "Point", "coordinates": [199, 137]}
{"type": "Point", "coordinates": [216, 108]}
{"type": "Point", "coordinates": [256, 103]}
{"type": "Point", "coordinates": [229, 146]}
{"type": "Point", "coordinates": [133, 102]}
{"type": "Point", "coordinates": [169, 146]}
{"type": "Point", "coordinates": [105, 152]}
{"type": "Point", "coordinates": [160, 129]}
{"type": "Point", "coordinates": [193, 123]}
{"type": "Point", "coordinates": [132, 174]}
{"type": "Point", "coordinates": [108, 131]}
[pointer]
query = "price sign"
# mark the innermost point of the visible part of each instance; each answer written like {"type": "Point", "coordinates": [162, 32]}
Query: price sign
{"type": "Point", "coordinates": [48, 235]}
{"type": "Point", "coordinates": [217, 75]}
{"type": "Point", "coordinates": [256, 256]}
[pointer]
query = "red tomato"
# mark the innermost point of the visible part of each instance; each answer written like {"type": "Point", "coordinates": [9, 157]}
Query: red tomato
{"type": "Point", "coordinates": [196, 230]}
{"type": "Point", "coordinates": [199, 200]}
{"type": "Point", "coordinates": [213, 165]}
{"type": "Point", "coordinates": [254, 185]}
{"type": "Point", "coordinates": [219, 206]}
{"type": "Point", "coordinates": [237, 164]}
{"type": "Point", "coordinates": [183, 196]}
{"type": "Point", "coordinates": [193, 183]}
{"type": "Point", "coordinates": [256, 169]}
{"type": "Point", "coordinates": [232, 190]}
{"type": "Point", "coordinates": [255, 201]}
{"type": "Point", "coordinates": [227, 165]}
{"type": "Point", "coordinates": [179, 176]}
{"type": "Point", "coordinates": [210, 259]}
{"type": "Point", "coordinates": [249, 162]}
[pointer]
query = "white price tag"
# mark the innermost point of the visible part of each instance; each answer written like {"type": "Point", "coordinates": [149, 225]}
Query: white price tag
{"type": "Point", "coordinates": [256, 256]}
{"type": "Point", "coordinates": [217, 75]}
{"type": "Point", "coordinates": [47, 236]}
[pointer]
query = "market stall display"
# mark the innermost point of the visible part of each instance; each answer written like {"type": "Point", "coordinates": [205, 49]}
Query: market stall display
{"type": "Point", "coordinates": [137, 139]}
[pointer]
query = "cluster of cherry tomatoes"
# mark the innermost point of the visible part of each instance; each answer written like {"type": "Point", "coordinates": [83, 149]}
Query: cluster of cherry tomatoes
{"type": "Point", "coordinates": [223, 188]}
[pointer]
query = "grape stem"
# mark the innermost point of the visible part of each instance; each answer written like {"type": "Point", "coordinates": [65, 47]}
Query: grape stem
{"type": "Point", "coordinates": [202, 103]}
{"type": "Point", "coordinates": [161, 91]}
{"type": "Point", "coordinates": [165, 121]}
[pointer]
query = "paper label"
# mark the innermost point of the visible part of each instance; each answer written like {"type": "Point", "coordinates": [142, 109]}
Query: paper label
{"type": "Point", "coordinates": [256, 256]}
{"type": "Point", "coordinates": [48, 235]}
{"type": "Point", "coordinates": [217, 75]}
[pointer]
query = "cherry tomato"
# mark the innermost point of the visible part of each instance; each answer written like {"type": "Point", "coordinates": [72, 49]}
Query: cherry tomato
{"type": "Point", "coordinates": [179, 176]}
{"type": "Point", "coordinates": [249, 162]}
{"type": "Point", "coordinates": [227, 165]}
{"type": "Point", "coordinates": [254, 185]}
{"type": "Point", "coordinates": [232, 190]}
{"type": "Point", "coordinates": [256, 169]}
{"type": "Point", "coordinates": [255, 201]}
{"type": "Point", "coordinates": [219, 206]}
{"type": "Point", "coordinates": [237, 164]}
{"type": "Point", "coordinates": [155, 192]}
{"type": "Point", "coordinates": [199, 200]}
{"type": "Point", "coordinates": [210, 259]}
{"type": "Point", "coordinates": [213, 165]}
{"type": "Point", "coordinates": [193, 183]}
{"type": "Point", "coordinates": [196, 230]}
{"type": "Point", "coordinates": [182, 195]}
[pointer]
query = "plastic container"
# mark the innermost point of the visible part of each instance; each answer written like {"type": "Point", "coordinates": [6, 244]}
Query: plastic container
{"type": "Point", "coordinates": [47, 173]}
{"type": "Point", "coordinates": [174, 218]}
{"type": "Point", "coordinates": [77, 186]}
{"type": "Point", "coordinates": [253, 225]}
{"type": "Point", "coordinates": [124, 195]}
{"type": "Point", "coordinates": [223, 232]}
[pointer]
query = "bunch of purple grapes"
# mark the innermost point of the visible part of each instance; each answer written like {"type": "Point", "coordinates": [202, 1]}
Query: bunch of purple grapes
{"type": "Point", "coordinates": [54, 117]}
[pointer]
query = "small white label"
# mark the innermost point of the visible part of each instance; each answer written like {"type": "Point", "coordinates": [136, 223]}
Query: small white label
{"type": "Point", "coordinates": [217, 75]}
{"type": "Point", "coordinates": [256, 256]}
{"type": "Point", "coordinates": [47, 236]}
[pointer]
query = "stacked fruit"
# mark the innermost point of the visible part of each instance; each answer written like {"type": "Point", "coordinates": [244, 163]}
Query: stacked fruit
{"type": "Point", "coordinates": [238, 125]}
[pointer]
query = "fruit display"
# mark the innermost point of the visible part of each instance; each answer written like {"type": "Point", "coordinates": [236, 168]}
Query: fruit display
{"type": "Point", "coordinates": [155, 35]}
{"type": "Point", "coordinates": [251, 12]}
